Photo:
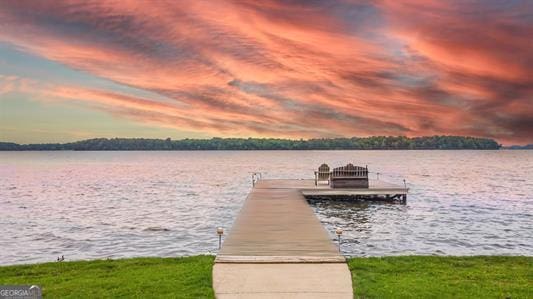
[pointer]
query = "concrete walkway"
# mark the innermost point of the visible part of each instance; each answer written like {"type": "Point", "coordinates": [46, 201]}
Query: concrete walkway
{"type": "Point", "coordinates": [299, 280]}
{"type": "Point", "coordinates": [278, 248]}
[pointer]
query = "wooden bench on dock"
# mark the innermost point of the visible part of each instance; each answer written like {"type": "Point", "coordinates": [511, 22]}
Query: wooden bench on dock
{"type": "Point", "coordinates": [349, 176]}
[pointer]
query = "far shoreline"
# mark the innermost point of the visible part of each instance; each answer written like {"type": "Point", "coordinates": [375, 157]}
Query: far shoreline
{"type": "Point", "coordinates": [269, 150]}
{"type": "Point", "coordinates": [249, 144]}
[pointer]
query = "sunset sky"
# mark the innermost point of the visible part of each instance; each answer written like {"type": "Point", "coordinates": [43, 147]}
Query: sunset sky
{"type": "Point", "coordinates": [72, 70]}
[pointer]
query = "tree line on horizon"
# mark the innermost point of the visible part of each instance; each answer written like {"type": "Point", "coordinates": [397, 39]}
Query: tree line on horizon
{"type": "Point", "coordinates": [354, 143]}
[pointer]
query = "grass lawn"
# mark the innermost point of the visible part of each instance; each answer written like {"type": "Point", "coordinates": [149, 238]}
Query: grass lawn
{"type": "Point", "coordinates": [190, 277]}
{"type": "Point", "coordinates": [443, 277]}
{"type": "Point", "coordinates": [187, 277]}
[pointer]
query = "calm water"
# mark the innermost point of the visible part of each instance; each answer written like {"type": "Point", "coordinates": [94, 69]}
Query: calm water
{"type": "Point", "coordinates": [87, 205]}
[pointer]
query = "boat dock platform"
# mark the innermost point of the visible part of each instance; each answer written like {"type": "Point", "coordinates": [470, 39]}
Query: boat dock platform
{"type": "Point", "coordinates": [377, 190]}
{"type": "Point", "coordinates": [277, 247]}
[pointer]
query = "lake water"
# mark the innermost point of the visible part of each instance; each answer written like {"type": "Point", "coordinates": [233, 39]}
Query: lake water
{"type": "Point", "coordinates": [87, 205]}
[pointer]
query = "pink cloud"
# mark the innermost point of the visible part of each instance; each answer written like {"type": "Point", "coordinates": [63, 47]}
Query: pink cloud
{"type": "Point", "coordinates": [271, 68]}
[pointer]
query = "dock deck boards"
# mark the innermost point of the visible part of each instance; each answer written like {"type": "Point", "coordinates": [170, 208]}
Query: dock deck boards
{"type": "Point", "coordinates": [308, 188]}
{"type": "Point", "coordinates": [278, 248]}
{"type": "Point", "coordinates": [277, 224]}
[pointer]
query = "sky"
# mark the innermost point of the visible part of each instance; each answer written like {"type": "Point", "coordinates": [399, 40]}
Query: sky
{"type": "Point", "coordinates": [72, 70]}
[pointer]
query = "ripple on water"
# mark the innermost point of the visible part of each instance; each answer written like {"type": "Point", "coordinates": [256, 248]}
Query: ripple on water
{"type": "Point", "coordinates": [156, 229]}
{"type": "Point", "coordinates": [121, 204]}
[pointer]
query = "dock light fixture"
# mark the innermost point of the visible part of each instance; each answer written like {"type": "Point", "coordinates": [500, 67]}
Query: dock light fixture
{"type": "Point", "coordinates": [338, 232]}
{"type": "Point", "coordinates": [220, 232]}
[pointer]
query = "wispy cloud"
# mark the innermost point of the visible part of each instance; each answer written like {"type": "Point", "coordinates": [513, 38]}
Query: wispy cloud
{"type": "Point", "coordinates": [294, 68]}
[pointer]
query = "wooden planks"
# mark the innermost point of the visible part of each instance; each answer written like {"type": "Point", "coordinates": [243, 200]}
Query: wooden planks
{"type": "Point", "coordinates": [277, 225]}
{"type": "Point", "coordinates": [374, 185]}
{"type": "Point", "coordinates": [278, 248]}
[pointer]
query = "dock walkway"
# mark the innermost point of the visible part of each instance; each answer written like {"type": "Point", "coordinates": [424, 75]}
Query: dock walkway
{"type": "Point", "coordinates": [278, 248]}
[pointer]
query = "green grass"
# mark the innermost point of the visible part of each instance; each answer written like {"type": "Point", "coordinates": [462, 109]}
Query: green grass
{"type": "Point", "coordinates": [187, 277]}
{"type": "Point", "coordinates": [442, 277]}
{"type": "Point", "coordinates": [190, 277]}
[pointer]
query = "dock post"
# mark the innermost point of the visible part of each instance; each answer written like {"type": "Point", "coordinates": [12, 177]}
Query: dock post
{"type": "Point", "coordinates": [404, 198]}
{"type": "Point", "coordinates": [220, 232]}
{"type": "Point", "coordinates": [338, 232]}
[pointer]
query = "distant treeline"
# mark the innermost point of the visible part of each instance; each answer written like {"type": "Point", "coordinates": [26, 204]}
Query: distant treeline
{"type": "Point", "coordinates": [355, 143]}
{"type": "Point", "coordinates": [519, 147]}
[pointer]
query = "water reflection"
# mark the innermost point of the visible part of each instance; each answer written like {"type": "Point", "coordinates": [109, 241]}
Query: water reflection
{"type": "Point", "coordinates": [365, 224]}
{"type": "Point", "coordinates": [120, 204]}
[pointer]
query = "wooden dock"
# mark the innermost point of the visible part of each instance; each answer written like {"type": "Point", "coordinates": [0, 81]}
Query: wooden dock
{"type": "Point", "coordinates": [377, 190]}
{"type": "Point", "coordinates": [277, 225]}
{"type": "Point", "coordinates": [278, 248]}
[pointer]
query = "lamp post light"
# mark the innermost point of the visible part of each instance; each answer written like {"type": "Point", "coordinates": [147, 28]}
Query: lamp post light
{"type": "Point", "coordinates": [338, 232]}
{"type": "Point", "coordinates": [220, 232]}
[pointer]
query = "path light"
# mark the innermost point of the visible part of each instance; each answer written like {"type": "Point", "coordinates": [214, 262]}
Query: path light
{"type": "Point", "coordinates": [338, 232]}
{"type": "Point", "coordinates": [220, 232]}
